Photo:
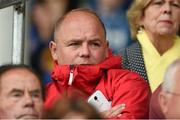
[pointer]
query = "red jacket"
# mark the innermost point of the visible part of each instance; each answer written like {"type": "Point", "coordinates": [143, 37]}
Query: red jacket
{"type": "Point", "coordinates": [118, 85]}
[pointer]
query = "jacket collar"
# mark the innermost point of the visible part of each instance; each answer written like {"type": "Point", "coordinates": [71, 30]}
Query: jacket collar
{"type": "Point", "coordinates": [85, 77]}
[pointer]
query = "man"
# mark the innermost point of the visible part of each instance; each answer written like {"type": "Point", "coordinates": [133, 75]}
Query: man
{"type": "Point", "coordinates": [84, 64]}
{"type": "Point", "coordinates": [20, 93]}
{"type": "Point", "coordinates": [168, 97]}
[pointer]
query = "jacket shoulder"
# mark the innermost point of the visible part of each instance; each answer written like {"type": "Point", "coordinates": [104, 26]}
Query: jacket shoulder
{"type": "Point", "coordinates": [124, 75]}
{"type": "Point", "coordinates": [52, 94]}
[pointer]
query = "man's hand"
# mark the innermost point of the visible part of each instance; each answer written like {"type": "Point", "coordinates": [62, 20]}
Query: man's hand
{"type": "Point", "coordinates": [114, 111]}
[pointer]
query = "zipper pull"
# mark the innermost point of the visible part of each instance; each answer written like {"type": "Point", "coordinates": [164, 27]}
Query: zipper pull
{"type": "Point", "coordinates": [71, 75]}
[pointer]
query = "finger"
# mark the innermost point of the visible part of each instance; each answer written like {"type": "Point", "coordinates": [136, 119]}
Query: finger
{"type": "Point", "coordinates": [114, 111]}
{"type": "Point", "coordinates": [106, 113]}
{"type": "Point", "coordinates": [117, 110]}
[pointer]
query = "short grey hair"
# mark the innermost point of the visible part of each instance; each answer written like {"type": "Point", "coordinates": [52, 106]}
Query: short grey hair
{"type": "Point", "coordinates": [169, 75]}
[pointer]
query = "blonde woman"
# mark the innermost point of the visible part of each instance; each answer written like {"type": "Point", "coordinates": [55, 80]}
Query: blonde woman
{"type": "Point", "coordinates": [155, 27]}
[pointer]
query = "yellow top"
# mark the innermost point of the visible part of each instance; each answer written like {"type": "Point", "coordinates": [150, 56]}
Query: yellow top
{"type": "Point", "coordinates": [155, 63]}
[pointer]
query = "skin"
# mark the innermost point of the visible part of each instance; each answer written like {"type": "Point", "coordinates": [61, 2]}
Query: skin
{"type": "Point", "coordinates": [161, 22]}
{"type": "Point", "coordinates": [20, 95]}
{"type": "Point", "coordinates": [81, 40]}
{"type": "Point", "coordinates": [169, 102]}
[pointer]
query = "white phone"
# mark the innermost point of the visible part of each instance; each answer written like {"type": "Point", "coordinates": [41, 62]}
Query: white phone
{"type": "Point", "coordinates": [99, 101]}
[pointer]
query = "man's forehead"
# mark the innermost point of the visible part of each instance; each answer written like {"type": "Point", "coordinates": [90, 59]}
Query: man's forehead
{"type": "Point", "coordinates": [21, 77]}
{"type": "Point", "coordinates": [77, 16]}
{"type": "Point", "coordinates": [79, 22]}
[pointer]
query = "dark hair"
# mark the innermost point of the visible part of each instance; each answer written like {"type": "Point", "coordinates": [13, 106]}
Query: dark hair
{"type": "Point", "coordinates": [8, 67]}
{"type": "Point", "coordinates": [61, 19]}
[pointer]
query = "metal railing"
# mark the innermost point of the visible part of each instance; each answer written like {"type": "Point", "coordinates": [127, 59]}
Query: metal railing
{"type": "Point", "coordinates": [18, 28]}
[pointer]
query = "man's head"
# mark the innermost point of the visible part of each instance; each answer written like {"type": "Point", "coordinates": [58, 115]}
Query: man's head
{"type": "Point", "coordinates": [169, 96]}
{"type": "Point", "coordinates": [20, 93]}
{"type": "Point", "coordinates": [80, 38]}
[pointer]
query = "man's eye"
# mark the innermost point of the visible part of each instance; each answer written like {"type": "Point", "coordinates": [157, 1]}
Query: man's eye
{"type": "Point", "coordinates": [36, 95]}
{"type": "Point", "coordinates": [16, 94]}
{"type": "Point", "coordinates": [95, 44]}
{"type": "Point", "coordinates": [73, 44]}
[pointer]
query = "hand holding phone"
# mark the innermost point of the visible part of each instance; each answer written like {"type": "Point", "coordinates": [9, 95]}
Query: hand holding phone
{"type": "Point", "coordinates": [99, 101]}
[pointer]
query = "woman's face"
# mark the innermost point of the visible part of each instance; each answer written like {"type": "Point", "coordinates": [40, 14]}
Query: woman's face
{"type": "Point", "coordinates": [162, 17]}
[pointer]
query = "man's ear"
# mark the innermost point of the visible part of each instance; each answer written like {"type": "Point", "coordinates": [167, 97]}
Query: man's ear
{"type": "Point", "coordinates": [107, 48]}
{"type": "Point", "coordinates": [53, 49]}
{"type": "Point", "coordinates": [163, 102]}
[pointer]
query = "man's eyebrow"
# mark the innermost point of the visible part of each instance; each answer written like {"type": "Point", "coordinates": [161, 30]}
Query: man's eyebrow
{"type": "Point", "coordinates": [16, 90]}
{"type": "Point", "coordinates": [36, 91]}
{"type": "Point", "coordinates": [80, 40]}
{"type": "Point", "coordinates": [75, 40]}
{"type": "Point", "coordinates": [95, 39]}
{"type": "Point", "coordinates": [19, 90]}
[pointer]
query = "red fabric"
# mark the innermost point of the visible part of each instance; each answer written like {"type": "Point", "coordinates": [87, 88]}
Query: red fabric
{"type": "Point", "coordinates": [155, 109]}
{"type": "Point", "coordinates": [119, 86]}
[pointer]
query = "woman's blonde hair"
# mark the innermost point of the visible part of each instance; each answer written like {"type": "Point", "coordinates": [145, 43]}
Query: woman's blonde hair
{"type": "Point", "coordinates": [135, 14]}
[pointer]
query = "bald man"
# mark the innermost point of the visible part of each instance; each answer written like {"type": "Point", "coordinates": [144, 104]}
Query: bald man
{"type": "Point", "coordinates": [165, 102]}
{"type": "Point", "coordinates": [84, 64]}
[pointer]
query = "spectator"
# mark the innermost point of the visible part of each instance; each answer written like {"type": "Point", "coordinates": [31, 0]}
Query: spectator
{"type": "Point", "coordinates": [83, 63]}
{"type": "Point", "coordinates": [166, 102]}
{"type": "Point", "coordinates": [155, 25]}
{"type": "Point", "coordinates": [20, 93]}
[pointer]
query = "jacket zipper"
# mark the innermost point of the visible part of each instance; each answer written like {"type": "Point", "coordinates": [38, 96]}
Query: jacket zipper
{"type": "Point", "coordinates": [71, 75]}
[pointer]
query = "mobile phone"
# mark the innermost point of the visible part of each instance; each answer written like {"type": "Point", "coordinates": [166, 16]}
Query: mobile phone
{"type": "Point", "coordinates": [99, 101]}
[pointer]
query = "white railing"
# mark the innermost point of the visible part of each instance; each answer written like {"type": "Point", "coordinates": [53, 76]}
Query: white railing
{"type": "Point", "coordinates": [18, 28]}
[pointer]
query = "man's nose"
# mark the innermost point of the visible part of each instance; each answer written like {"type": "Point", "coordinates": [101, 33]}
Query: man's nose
{"type": "Point", "coordinates": [84, 51]}
{"type": "Point", "coordinates": [28, 101]}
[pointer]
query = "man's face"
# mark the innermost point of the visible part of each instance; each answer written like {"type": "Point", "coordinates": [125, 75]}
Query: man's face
{"type": "Point", "coordinates": [80, 40]}
{"type": "Point", "coordinates": [173, 106]}
{"type": "Point", "coordinates": [20, 95]}
{"type": "Point", "coordinates": [170, 102]}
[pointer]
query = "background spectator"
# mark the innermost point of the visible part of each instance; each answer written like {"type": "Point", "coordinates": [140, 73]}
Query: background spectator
{"type": "Point", "coordinates": [165, 101]}
{"type": "Point", "coordinates": [154, 24]}
{"type": "Point", "coordinates": [21, 93]}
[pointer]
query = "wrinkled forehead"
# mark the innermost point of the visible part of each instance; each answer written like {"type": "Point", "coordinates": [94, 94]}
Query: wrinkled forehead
{"type": "Point", "coordinates": [19, 78]}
